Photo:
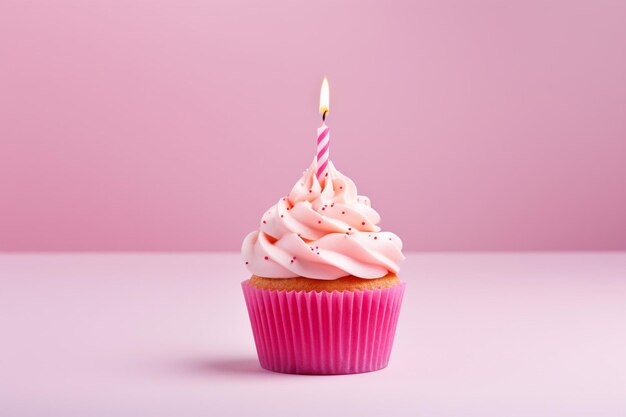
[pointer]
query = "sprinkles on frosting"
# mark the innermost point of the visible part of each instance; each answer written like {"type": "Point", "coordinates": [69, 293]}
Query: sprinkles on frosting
{"type": "Point", "coordinates": [314, 200]}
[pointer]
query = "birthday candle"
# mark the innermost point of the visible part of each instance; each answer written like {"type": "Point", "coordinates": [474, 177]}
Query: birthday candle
{"type": "Point", "coordinates": [323, 134]}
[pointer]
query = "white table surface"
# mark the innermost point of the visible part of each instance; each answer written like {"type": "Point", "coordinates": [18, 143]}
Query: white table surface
{"type": "Point", "coordinates": [168, 335]}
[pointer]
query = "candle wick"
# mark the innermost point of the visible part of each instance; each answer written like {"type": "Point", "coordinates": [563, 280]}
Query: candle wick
{"type": "Point", "coordinates": [324, 115]}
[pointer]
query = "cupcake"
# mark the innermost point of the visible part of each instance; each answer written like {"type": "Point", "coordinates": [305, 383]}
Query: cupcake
{"type": "Point", "coordinates": [324, 296]}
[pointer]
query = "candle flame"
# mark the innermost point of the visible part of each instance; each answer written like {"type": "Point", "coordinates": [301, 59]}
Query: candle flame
{"type": "Point", "coordinates": [324, 97]}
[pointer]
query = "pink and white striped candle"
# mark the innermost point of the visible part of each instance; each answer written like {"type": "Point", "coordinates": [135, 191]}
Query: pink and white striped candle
{"type": "Point", "coordinates": [323, 151]}
{"type": "Point", "coordinates": [323, 134]}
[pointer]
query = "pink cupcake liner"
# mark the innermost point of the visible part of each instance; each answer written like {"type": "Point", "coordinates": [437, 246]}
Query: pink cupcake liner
{"type": "Point", "coordinates": [319, 333]}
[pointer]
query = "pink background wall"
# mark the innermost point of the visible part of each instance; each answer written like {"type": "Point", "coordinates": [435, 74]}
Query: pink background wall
{"type": "Point", "coordinates": [172, 125]}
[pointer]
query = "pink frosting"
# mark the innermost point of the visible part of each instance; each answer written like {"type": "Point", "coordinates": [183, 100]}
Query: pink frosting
{"type": "Point", "coordinates": [323, 231]}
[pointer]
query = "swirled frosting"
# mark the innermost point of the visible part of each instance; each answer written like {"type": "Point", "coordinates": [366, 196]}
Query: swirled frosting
{"type": "Point", "coordinates": [322, 231]}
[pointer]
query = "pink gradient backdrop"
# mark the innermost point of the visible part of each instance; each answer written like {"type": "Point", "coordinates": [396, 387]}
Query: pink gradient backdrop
{"type": "Point", "coordinates": [172, 125]}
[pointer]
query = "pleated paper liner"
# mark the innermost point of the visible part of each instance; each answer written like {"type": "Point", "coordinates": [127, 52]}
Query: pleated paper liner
{"type": "Point", "coordinates": [323, 333]}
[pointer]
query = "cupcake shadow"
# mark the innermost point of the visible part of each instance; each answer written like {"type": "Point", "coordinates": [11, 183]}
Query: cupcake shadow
{"type": "Point", "coordinates": [223, 366]}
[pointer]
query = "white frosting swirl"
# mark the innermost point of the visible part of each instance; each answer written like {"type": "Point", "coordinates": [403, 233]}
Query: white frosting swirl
{"type": "Point", "coordinates": [322, 231]}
